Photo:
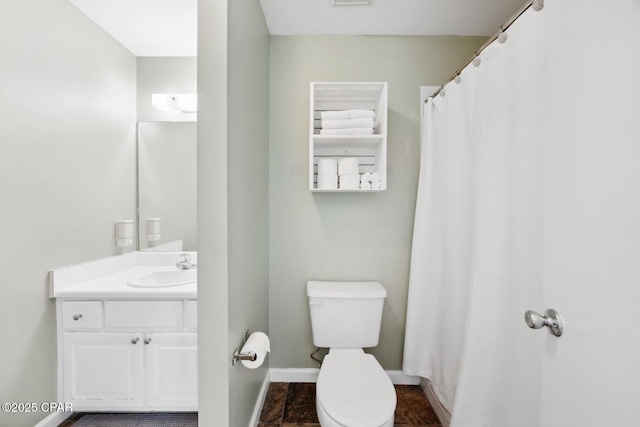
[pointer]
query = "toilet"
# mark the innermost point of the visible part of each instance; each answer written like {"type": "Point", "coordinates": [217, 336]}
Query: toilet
{"type": "Point", "coordinates": [352, 388]}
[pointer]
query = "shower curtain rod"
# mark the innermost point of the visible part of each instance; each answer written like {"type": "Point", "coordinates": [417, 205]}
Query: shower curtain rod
{"type": "Point", "coordinates": [536, 4]}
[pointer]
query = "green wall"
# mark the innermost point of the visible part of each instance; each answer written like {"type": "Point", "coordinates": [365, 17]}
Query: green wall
{"type": "Point", "coordinates": [67, 173]}
{"type": "Point", "coordinates": [329, 236]}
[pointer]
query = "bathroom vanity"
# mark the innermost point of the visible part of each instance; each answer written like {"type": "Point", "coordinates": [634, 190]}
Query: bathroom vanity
{"type": "Point", "coordinates": [124, 347]}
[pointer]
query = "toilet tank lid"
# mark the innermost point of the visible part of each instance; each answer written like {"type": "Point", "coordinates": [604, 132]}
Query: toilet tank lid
{"type": "Point", "coordinates": [319, 289]}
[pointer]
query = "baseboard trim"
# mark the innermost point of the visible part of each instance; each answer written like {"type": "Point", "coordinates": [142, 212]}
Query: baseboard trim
{"type": "Point", "coordinates": [310, 375]}
{"type": "Point", "coordinates": [54, 419]}
{"type": "Point", "coordinates": [294, 375]}
{"type": "Point", "coordinates": [399, 377]}
{"type": "Point", "coordinates": [257, 410]}
{"type": "Point", "coordinates": [442, 412]}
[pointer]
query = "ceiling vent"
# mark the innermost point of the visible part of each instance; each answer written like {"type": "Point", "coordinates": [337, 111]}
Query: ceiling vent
{"type": "Point", "coordinates": [350, 2]}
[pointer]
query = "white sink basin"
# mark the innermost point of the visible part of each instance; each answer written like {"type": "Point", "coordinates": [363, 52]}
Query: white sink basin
{"type": "Point", "coordinates": [164, 279]}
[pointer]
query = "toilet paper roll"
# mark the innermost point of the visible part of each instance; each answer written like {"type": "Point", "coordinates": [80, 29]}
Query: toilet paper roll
{"type": "Point", "coordinates": [327, 182]}
{"type": "Point", "coordinates": [257, 343]}
{"type": "Point", "coordinates": [327, 167]}
{"type": "Point", "coordinates": [350, 182]}
{"type": "Point", "coordinates": [348, 166]}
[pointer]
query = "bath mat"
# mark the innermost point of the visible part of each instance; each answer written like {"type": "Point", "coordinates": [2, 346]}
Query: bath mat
{"type": "Point", "coordinates": [160, 419]}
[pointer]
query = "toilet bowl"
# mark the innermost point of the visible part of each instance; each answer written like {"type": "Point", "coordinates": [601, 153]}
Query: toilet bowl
{"type": "Point", "coordinates": [352, 388]}
{"type": "Point", "coordinates": [354, 391]}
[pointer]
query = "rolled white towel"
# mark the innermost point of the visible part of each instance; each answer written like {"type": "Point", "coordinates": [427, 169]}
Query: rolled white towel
{"type": "Point", "coordinates": [361, 114]}
{"type": "Point", "coordinates": [347, 124]}
{"type": "Point", "coordinates": [365, 177]}
{"type": "Point", "coordinates": [375, 185]}
{"type": "Point", "coordinates": [365, 185]}
{"type": "Point", "coordinates": [354, 131]}
{"type": "Point", "coordinates": [335, 115]}
{"type": "Point", "coordinates": [374, 176]}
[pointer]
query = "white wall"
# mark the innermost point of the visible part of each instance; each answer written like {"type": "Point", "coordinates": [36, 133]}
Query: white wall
{"type": "Point", "coordinates": [233, 90]}
{"type": "Point", "coordinates": [213, 288]}
{"type": "Point", "coordinates": [248, 197]}
{"type": "Point", "coordinates": [329, 236]}
{"type": "Point", "coordinates": [67, 173]}
{"type": "Point", "coordinates": [164, 75]}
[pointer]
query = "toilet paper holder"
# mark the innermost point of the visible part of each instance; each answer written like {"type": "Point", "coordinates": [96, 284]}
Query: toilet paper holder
{"type": "Point", "coordinates": [251, 356]}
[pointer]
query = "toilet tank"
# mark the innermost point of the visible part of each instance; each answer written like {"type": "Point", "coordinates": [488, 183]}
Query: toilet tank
{"type": "Point", "coordinates": [345, 314]}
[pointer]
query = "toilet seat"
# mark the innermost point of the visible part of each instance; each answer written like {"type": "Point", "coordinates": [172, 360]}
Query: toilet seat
{"type": "Point", "coordinates": [354, 390]}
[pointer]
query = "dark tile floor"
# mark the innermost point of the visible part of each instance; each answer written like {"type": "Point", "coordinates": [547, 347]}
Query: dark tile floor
{"type": "Point", "coordinates": [294, 405]}
{"type": "Point", "coordinates": [72, 419]}
{"type": "Point", "coordinates": [147, 419]}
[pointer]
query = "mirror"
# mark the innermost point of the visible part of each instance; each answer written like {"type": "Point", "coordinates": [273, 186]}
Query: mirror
{"type": "Point", "coordinates": [167, 186]}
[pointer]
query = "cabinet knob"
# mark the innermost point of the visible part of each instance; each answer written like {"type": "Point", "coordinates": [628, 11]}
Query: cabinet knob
{"type": "Point", "coordinates": [135, 340]}
{"type": "Point", "coordinates": [147, 341]}
{"type": "Point", "coordinates": [77, 316]}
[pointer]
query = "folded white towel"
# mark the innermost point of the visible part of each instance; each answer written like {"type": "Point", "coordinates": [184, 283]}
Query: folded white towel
{"type": "Point", "coordinates": [365, 177]}
{"type": "Point", "coordinates": [361, 114]}
{"type": "Point", "coordinates": [352, 131]}
{"type": "Point", "coordinates": [334, 115]}
{"type": "Point", "coordinates": [347, 124]}
{"type": "Point", "coordinates": [365, 185]}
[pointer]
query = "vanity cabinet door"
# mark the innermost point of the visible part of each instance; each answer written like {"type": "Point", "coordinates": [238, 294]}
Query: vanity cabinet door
{"type": "Point", "coordinates": [103, 370]}
{"type": "Point", "coordinates": [172, 370]}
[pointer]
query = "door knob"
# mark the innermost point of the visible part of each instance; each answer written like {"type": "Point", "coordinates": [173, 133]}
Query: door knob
{"type": "Point", "coordinates": [551, 320]}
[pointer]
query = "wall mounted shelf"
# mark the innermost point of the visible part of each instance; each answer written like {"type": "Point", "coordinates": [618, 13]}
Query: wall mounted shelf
{"type": "Point", "coordinates": [371, 150]}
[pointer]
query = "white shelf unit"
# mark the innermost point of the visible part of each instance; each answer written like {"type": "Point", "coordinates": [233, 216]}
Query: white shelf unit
{"type": "Point", "coordinates": [371, 150]}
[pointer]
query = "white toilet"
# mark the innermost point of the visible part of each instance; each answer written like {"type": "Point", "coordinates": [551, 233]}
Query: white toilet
{"type": "Point", "coordinates": [352, 389]}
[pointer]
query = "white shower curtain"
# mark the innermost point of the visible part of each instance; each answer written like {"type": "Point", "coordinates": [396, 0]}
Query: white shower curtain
{"type": "Point", "coordinates": [476, 257]}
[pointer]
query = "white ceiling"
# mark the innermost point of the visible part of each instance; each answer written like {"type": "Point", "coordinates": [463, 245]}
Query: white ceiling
{"type": "Point", "coordinates": [389, 17]}
{"type": "Point", "coordinates": [169, 27]}
{"type": "Point", "coordinates": [147, 27]}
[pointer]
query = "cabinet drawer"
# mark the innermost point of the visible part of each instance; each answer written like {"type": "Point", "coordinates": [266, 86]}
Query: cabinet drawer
{"type": "Point", "coordinates": [81, 314]}
{"type": "Point", "coordinates": [148, 315]}
{"type": "Point", "coordinates": [191, 314]}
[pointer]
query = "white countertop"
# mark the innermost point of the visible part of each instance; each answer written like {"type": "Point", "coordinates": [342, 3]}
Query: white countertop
{"type": "Point", "coordinates": [115, 286]}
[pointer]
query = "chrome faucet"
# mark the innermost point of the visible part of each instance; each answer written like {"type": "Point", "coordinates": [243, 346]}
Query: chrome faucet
{"type": "Point", "coordinates": [185, 262]}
